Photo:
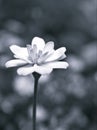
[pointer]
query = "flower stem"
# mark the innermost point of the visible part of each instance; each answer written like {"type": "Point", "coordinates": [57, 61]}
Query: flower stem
{"type": "Point", "coordinates": [36, 78]}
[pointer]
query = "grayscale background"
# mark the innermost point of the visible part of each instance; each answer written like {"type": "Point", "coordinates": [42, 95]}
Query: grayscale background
{"type": "Point", "coordinates": [67, 99]}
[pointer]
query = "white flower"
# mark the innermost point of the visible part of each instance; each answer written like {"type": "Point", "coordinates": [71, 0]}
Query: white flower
{"type": "Point", "coordinates": [37, 57]}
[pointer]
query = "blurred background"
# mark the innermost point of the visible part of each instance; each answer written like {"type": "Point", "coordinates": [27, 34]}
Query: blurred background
{"type": "Point", "coordinates": [67, 99]}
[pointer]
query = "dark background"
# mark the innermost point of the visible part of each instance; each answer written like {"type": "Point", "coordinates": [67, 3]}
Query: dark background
{"type": "Point", "coordinates": [67, 99]}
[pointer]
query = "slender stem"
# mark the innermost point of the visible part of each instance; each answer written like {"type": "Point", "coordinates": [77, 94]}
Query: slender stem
{"type": "Point", "coordinates": [36, 78]}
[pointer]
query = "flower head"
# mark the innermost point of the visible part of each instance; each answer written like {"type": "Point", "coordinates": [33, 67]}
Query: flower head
{"type": "Point", "coordinates": [37, 57]}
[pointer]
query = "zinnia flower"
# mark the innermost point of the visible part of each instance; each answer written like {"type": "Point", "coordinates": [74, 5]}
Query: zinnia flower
{"type": "Point", "coordinates": [37, 57]}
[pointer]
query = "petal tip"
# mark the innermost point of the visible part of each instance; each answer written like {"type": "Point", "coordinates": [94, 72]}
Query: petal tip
{"type": "Point", "coordinates": [12, 47]}
{"type": "Point", "coordinates": [64, 49]}
{"type": "Point", "coordinates": [36, 39]}
{"type": "Point", "coordinates": [66, 65]}
{"type": "Point", "coordinates": [19, 72]}
{"type": "Point", "coordinates": [7, 64]}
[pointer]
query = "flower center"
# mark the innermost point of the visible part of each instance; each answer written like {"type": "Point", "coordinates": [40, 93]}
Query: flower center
{"type": "Point", "coordinates": [34, 55]}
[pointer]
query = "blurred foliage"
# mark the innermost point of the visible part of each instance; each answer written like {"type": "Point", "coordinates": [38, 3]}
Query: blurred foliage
{"type": "Point", "coordinates": [67, 100]}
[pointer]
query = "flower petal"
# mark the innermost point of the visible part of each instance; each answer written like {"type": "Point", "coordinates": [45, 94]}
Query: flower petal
{"type": "Point", "coordinates": [25, 70]}
{"type": "Point", "coordinates": [19, 51]}
{"type": "Point", "coordinates": [62, 57]}
{"type": "Point", "coordinates": [39, 42]}
{"type": "Point", "coordinates": [57, 54]}
{"type": "Point", "coordinates": [58, 65]}
{"type": "Point", "coordinates": [30, 69]}
{"type": "Point", "coordinates": [13, 63]}
{"type": "Point", "coordinates": [43, 69]}
{"type": "Point", "coordinates": [49, 47]}
{"type": "Point", "coordinates": [23, 58]}
{"type": "Point", "coordinates": [42, 58]}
